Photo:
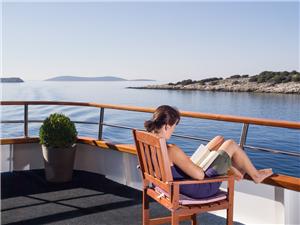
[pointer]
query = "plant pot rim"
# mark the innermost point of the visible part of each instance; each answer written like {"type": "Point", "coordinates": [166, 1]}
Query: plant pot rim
{"type": "Point", "coordinates": [72, 146]}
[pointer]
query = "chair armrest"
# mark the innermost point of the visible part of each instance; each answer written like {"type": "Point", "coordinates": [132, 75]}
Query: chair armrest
{"type": "Point", "coordinates": [206, 180]}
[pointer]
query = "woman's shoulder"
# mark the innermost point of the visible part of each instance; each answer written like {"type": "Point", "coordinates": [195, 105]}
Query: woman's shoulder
{"type": "Point", "coordinates": [173, 148]}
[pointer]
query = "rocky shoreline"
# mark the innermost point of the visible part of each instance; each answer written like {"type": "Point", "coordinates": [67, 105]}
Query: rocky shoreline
{"type": "Point", "coordinates": [232, 85]}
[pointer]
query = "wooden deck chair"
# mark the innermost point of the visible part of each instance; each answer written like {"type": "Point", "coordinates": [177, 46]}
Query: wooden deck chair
{"type": "Point", "coordinates": [158, 183]}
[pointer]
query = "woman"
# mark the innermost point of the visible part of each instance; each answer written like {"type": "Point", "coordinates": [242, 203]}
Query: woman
{"type": "Point", "coordinates": [231, 156]}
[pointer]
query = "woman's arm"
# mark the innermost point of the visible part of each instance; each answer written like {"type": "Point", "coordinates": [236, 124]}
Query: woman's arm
{"type": "Point", "coordinates": [180, 159]}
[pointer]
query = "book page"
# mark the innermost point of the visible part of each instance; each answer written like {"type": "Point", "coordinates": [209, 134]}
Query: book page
{"type": "Point", "coordinates": [209, 160]}
{"type": "Point", "coordinates": [200, 154]}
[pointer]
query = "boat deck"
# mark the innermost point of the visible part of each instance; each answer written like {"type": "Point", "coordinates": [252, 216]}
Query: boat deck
{"type": "Point", "coordinates": [26, 198]}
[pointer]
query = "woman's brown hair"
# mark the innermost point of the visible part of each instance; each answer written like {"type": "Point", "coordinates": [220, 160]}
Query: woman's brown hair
{"type": "Point", "coordinates": [163, 115]}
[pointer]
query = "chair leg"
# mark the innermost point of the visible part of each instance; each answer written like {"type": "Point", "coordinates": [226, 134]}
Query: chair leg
{"type": "Point", "coordinates": [146, 219]}
{"type": "Point", "coordinates": [175, 219]}
{"type": "Point", "coordinates": [194, 219]}
{"type": "Point", "coordinates": [229, 220]}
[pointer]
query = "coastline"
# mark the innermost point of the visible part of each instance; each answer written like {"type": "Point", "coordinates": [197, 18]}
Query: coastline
{"type": "Point", "coordinates": [232, 85]}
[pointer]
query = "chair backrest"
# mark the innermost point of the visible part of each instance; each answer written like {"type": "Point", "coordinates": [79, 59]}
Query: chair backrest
{"type": "Point", "coordinates": [153, 156]}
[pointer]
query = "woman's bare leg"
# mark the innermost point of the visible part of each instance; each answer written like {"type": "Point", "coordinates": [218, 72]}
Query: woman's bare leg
{"type": "Point", "coordinates": [242, 162]}
{"type": "Point", "coordinates": [237, 172]}
{"type": "Point", "coordinates": [215, 143]}
{"type": "Point", "coordinates": [238, 168]}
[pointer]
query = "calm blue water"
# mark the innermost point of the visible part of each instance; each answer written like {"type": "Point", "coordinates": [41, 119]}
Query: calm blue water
{"type": "Point", "coordinates": [273, 106]}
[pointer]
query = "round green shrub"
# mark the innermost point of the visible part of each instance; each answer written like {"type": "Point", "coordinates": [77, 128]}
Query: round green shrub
{"type": "Point", "coordinates": [296, 78]}
{"type": "Point", "coordinates": [261, 79]}
{"type": "Point", "coordinates": [58, 131]}
{"type": "Point", "coordinates": [185, 82]}
{"type": "Point", "coordinates": [277, 79]}
{"type": "Point", "coordinates": [215, 82]}
{"type": "Point", "coordinates": [253, 79]}
{"type": "Point", "coordinates": [235, 76]}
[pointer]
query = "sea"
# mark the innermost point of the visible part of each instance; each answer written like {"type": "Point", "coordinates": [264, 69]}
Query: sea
{"type": "Point", "coordinates": [257, 105]}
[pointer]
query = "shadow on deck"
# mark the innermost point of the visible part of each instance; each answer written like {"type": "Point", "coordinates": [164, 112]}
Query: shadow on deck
{"type": "Point", "coordinates": [26, 198]}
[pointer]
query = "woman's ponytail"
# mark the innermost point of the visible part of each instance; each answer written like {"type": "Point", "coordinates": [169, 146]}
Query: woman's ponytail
{"type": "Point", "coordinates": [149, 125]}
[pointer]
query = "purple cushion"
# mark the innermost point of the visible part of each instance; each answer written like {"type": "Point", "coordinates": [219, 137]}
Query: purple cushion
{"type": "Point", "coordinates": [185, 200]}
{"type": "Point", "coordinates": [195, 190]}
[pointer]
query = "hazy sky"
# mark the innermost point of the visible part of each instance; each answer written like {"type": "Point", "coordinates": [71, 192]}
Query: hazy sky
{"type": "Point", "coordinates": [167, 41]}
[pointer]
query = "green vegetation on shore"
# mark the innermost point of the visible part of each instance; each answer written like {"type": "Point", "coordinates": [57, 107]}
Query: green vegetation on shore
{"type": "Point", "coordinates": [265, 76]}
{"type": "Point", "coordinates": [276, 77]}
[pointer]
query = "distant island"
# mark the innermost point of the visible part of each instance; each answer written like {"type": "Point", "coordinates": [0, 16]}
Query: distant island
{"type": "Point", "coordinates": [105, 78]}
{"type": "Point", "coordinates": [11, 80]}
{"type": "Point", "coordinates": [267, 81]}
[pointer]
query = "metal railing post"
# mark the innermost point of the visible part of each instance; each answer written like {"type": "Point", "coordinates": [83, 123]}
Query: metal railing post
{"type": "Point", "coordinates": [244, 135]}
{"type": "Point", "coordinates": [25, 120]}
{"type": "Point", "coordinates": [100, 132]}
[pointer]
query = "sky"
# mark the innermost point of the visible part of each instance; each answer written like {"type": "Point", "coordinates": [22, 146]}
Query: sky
{"type": "Point", "coordinates": [165, 41]}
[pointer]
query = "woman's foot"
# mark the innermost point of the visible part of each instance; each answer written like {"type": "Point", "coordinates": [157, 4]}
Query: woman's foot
{"type": "Point", "coordinates": [262, 174]}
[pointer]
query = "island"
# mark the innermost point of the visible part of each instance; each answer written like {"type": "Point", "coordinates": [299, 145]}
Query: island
{"type": "Point", "coordinates": [79, 78]}
{"type": "Point", "coordinates": [264, 82]}
{"type": "Point", "coordinates": [11, 80]}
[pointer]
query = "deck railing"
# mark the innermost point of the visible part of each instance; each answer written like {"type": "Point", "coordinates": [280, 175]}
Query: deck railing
{"type": "Point", "coordinates": [279, 180]}
{"type": "Point", "coordinates": [246, 121]}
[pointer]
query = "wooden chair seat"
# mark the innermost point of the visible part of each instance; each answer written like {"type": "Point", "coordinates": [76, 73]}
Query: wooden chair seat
{"type": "Point", "coordinates": [158, 184]}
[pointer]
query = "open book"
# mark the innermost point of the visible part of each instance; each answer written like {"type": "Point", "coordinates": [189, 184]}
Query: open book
{"type": "Point", "coordinates": [203, 157]}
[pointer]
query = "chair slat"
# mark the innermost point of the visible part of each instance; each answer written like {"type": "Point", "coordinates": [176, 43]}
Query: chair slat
{"type": "Point", "coordinates": [161, 165]}
{"type": "Point", "coordinates": [142, 157]}
{"type": "Point", "coordinates": [149, 159]}
{"type": "Point", "coordinates": [155, 162]}
{"type": "Point", "coordinates": [165, 161]}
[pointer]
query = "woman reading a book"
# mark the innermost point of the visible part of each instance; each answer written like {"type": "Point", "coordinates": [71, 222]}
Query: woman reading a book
{"type": "Point", "coordinates": [230, 156]}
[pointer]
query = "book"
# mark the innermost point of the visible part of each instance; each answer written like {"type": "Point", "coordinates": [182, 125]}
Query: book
{"type": "Point", "coordinates": [203, 157]}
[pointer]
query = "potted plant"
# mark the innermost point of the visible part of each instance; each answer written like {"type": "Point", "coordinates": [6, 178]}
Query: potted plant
{"type": "Point", "coordinates": [58, 137]}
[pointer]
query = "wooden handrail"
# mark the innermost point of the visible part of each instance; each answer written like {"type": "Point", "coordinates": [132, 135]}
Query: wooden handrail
{"type": "Point", "coordinates": [219, 117]}
{"type": "Point", "coordinates": [277, 180]}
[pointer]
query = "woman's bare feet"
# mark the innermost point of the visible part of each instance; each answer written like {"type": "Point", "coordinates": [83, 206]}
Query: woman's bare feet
{"type": "Point", "coordinates": [261, 175]}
